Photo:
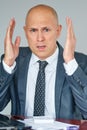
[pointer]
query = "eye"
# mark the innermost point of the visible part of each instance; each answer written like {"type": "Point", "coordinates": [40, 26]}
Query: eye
{"type": "Point", "coordinates": [33, 30]}
{"type": "Point", "coordinates": [46, 29]}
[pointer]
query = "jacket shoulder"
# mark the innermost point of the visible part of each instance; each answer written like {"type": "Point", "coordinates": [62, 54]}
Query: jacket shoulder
{"type": "Point", "coordinates": [80, 57]}
{"type": "Point", "coordinates": [24, 51]}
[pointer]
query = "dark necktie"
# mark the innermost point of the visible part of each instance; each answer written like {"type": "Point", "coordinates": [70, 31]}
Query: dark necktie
{"type": "Point", "coordinates": [39, 100]}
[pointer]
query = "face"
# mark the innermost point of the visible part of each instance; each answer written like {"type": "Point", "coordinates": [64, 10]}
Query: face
{"type": "Point", "coordinates": [42, 31]}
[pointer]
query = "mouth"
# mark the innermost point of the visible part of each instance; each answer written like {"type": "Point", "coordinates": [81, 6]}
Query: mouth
{"type": "Point", "coordinates": [42, 47]}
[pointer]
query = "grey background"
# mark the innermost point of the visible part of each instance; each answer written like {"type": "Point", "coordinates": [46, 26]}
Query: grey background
{"type": "Point", "coordinates": [76, 9]}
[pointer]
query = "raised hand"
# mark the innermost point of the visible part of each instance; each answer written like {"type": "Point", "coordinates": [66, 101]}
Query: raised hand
{"type": "Point", "coordinates": [70, 44]}
{"type": "Point", "coordinates": [11, 50]}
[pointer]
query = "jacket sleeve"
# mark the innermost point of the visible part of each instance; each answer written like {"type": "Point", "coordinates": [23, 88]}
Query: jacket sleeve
{"type": "Point", "coordinates": [78, 84]}
{"type": "Point", "coordinates": [5, 83]}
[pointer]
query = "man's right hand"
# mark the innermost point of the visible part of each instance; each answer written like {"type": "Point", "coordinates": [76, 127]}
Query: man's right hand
{"type": "Point", "coordinates": [11, 50]}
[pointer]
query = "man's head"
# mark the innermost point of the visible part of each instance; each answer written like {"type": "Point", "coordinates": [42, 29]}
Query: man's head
{"type": "Point", "coordinates": [42, 30]}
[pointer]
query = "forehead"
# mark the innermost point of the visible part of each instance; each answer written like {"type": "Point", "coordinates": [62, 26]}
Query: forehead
{"type": "Point", "coordinates": [41, 15]}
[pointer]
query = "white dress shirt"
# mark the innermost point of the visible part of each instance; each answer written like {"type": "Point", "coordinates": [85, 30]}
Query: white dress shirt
{"type": "Point", "coordinates": [50, 72]}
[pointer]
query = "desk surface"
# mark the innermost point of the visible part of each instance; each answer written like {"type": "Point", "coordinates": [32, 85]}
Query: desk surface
{"type": "Point", "coordinates": [81, 123]}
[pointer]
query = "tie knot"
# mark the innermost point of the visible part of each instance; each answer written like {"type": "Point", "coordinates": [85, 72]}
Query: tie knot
{"type": "Point", "coordinates": [42, 64]}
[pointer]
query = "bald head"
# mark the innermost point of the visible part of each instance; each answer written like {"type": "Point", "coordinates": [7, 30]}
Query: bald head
{"type": "Point", "coordinates": [44, 9]}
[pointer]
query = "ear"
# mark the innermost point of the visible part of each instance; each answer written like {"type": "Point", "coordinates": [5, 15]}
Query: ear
{"type": "Point", "coordinates": [59, 28]}
{"type": "Point", "coordinates": [25, 30]}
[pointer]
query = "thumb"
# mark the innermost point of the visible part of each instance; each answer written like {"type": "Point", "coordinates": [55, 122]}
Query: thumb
{"type": "Point", "coordinates": [17, 41]}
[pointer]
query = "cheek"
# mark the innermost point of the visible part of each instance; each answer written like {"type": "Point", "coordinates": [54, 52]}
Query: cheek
{"type": "Point", "coordinates": [52, 42]}
{"type": "Point", "coordinates": [53, 35]}
{"type": "Point", "coordinates": [52, 38]}
{"type": "Point", "coordinates": [31, 40]}
{"type": "Point", "coordinates": [29, 37]}
{"type": "Point", "coordinates": [32, 46]}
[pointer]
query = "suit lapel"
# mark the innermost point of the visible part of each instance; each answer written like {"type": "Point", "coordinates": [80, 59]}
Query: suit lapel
{"type": "Point", "coordinates": [22, 81]}
{"type": "Point", "coordinates": [59, 81]}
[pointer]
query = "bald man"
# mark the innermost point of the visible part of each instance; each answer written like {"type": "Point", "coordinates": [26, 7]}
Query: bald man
{"type": "Point", "coordinates": [65, 73]}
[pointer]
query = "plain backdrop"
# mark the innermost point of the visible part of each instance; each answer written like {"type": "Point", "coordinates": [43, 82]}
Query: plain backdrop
{"type": "Point", "coordinates": [75, 9]}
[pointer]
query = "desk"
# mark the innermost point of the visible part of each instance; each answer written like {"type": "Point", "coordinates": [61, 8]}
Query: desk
{"type": "Point", "coordinates": [81, 123]}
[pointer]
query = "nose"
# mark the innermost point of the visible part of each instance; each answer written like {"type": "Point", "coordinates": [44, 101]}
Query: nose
{"type": "Point", "coordinates": [40, 36]}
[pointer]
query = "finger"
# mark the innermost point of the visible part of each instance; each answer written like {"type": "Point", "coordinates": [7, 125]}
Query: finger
{"type": "Point", "coordinates": [10, 30]}
{"type": "Point", "coordinates": [11, 27]}
{"type": "Point", "coordinates": [17, 41]}
{"type": "Point", "coordinates": [16, 46]}
{"type": "Point", "coordinates": [70, 31]}
{"type": "Point", "coordinates": [68, 22]}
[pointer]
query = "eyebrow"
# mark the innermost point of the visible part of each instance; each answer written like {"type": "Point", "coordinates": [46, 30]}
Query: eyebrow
{"type": "Point", "coordinates": [37, 28]}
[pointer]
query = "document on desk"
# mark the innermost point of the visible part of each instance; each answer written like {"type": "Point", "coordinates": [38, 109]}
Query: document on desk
{"type": "Point", "coordinates": [47, 123]}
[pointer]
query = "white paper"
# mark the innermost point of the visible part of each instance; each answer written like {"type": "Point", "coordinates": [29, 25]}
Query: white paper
{"type": "Point", "coordinates": [46, 123]}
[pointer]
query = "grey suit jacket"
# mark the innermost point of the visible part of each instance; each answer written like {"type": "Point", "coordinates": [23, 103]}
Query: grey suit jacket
{"type": "Point", "coordinates": [70, 91]}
